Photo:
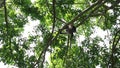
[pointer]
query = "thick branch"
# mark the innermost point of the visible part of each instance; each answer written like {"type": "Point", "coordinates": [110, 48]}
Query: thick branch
{"type": "Point", "coordinates": [82, 13]}
{"type": "Point", "coordinates": [90, 14]}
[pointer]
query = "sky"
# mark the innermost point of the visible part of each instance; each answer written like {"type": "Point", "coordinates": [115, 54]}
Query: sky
{"type": "Point", "coordinates": [2, 65]}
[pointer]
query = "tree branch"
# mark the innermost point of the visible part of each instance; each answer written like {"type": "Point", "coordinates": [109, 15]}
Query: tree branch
{"type": "Point", "coordinates": [6, 19]}
{"type": "Point", "coordinates": [51, 39]}
{"type": "Point", "coordinates": [5, 11]}
{"type": "Point", "coordinates": [54, 15]}
{"type": "Point", "coordinates": [114, 44]}
{"type": "Point", "coordinates": [100, 4]}
{"type": "Point", "coordinates": [82, 13]}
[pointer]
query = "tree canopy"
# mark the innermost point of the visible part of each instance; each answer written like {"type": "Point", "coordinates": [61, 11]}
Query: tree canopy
{"type": "Point", "coordinates": [86, 49]}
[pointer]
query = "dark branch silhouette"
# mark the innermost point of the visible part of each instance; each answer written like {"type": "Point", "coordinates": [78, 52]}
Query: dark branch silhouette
{"type": "Point", "coordinates": [6, 20]}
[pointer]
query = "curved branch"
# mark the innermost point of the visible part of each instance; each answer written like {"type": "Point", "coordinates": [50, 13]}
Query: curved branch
{"type": "Point", "coordinates": [114, 44]}
{"type": "Point", "coordinates": [51, 39]}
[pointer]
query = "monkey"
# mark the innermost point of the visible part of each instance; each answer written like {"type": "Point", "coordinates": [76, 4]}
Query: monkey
{"type": "Point", "coordinates": [70, 29]}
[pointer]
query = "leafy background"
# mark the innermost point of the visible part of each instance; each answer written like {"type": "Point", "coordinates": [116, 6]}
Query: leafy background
{"type": "Point", "coordinates": [52, 16]}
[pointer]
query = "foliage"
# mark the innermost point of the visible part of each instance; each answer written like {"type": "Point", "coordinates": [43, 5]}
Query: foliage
{"type": "Point", "coordinates": [54, 16]}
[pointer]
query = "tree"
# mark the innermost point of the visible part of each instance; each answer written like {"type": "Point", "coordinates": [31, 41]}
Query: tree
{"type": "Point", "coordinates": [54, 16]}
